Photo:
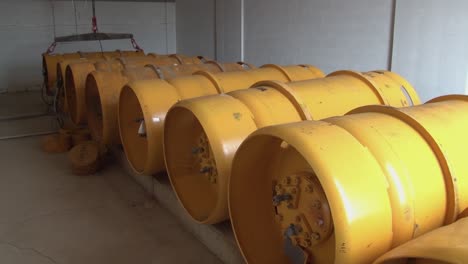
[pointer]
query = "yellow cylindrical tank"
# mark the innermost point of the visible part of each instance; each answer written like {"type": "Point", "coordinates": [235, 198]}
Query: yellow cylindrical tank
{"type": "Point", "coordinates": [50, 61]}
{"type": "Point", "coordinates": [115, 60]}
{"type": "Point", "coordinates": [76, 74]}
{"type": "Point", "coordinates": [445, 245]}
{"type": "Point", "coordinates": [62, 67]}
{"type": "Point", "coordinates": [143, 105]}
{"type": "Point", "coordinates": [348, 189]}
{"type": "Point", "coordinates": [214, 127]}
{"type": "Point", "coordinates": [63, 64]}
{"type": "Point", "coordinates": [183, 59]}
{"type": "Point", "coordinates": [103, 89]}
{"type": "Point", "coordinates": [61, 103]}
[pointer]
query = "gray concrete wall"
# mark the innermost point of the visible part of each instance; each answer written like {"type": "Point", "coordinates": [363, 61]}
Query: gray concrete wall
{"type": "Point", "coordinates": [196, 27]}
{"type": "Point", "coordinates": [298, 31]}
{"type": "Point", "coordinates": [429, 44]}
{"type": "Point", "coordinates": [26, 29]}
{"type": "Point", "coordinates": [202, 31]}
{"type": "Point", "coordinates": [229, 34]}
{"type": "Point", "coordinates": [332, 34]}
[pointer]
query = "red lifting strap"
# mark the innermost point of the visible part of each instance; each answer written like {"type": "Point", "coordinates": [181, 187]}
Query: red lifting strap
{"type": "Point", "coordinates": [51, 48]}
{"type": "Point", "coordinates": [135, 44]}
{"type": "Point", "coordinates": [95, 29]}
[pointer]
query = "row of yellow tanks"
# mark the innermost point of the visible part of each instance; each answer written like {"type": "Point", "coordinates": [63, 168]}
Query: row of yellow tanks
{"type": "Point", "coordinates": [381, 178]}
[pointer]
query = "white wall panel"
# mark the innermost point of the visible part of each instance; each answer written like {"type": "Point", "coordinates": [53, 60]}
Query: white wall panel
{"type": "Point", "coordinates": [332, 34]}
{"type": "Point", "coordinates": [229, 33]}
{"type": "Point", "coordinates": [26, 27]}
{"type": "Point", "coordinates": [196, 27]}
{"type": "Point", "coordinates": [431, 45]}
{"type": "Point", "coordinates": [429, 48]}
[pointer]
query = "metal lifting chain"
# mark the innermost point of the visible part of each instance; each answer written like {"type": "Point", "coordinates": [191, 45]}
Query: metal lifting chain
{"type": "Point", "coordinates": [94, 19]}
{"type": "Point", "coordinates": [52, 46]}
{"type": "Point", "coordinates": [94, 28]}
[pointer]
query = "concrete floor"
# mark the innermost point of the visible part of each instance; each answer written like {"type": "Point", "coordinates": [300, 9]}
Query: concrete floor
{"type": "Point", "coordinates": [48, 215]}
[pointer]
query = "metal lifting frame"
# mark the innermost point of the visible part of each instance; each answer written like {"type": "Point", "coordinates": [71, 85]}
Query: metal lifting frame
{"type": "Point", "coordinates": [94, 36]}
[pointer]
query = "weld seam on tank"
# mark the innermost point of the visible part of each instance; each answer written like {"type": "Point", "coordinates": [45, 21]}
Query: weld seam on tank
{"type": "Point", "coordinates": [80, 118]}
{"type": "Point", "coordinates": [111, 125]}
{"type": "Point", "coordinates": [205, 111]}
{"type": "Point", "coordinates": [182, 89]}
{"type": "Point", "coordinates": [430, 131]}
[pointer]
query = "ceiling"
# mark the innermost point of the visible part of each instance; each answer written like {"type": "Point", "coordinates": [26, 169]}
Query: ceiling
{"type": "Point", "coordinates": [125, 0]}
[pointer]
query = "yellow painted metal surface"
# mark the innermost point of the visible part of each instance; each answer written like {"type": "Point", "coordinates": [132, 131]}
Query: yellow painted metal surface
{"type": "Point", "coordinates": [144, 104]}
{"type": "Point", "coordinates": [173, 59]}
{"type": "Point", "coordinates": [103, 90]}
{"type": "Point", "coordinates": [286, 151]}
{"type": "Point", "coordinates": [50, 61]}
{"type": "Point", "coordinates": [75, 80]}
{"type": "Point", "coordinates": [244, 111]}
{"type": "Point", "coordinates": [445, 245]}
{"type": "Point", "coordinates": [76, 74]}
{"type": "Point", "coordinates": [349, 189]}
{"type": "Point", "coordinates": [62, 105]}
{"type": "Point", "coordinates": [79, 68]}
{"type": "Point", "coordinates": [83, 66]}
